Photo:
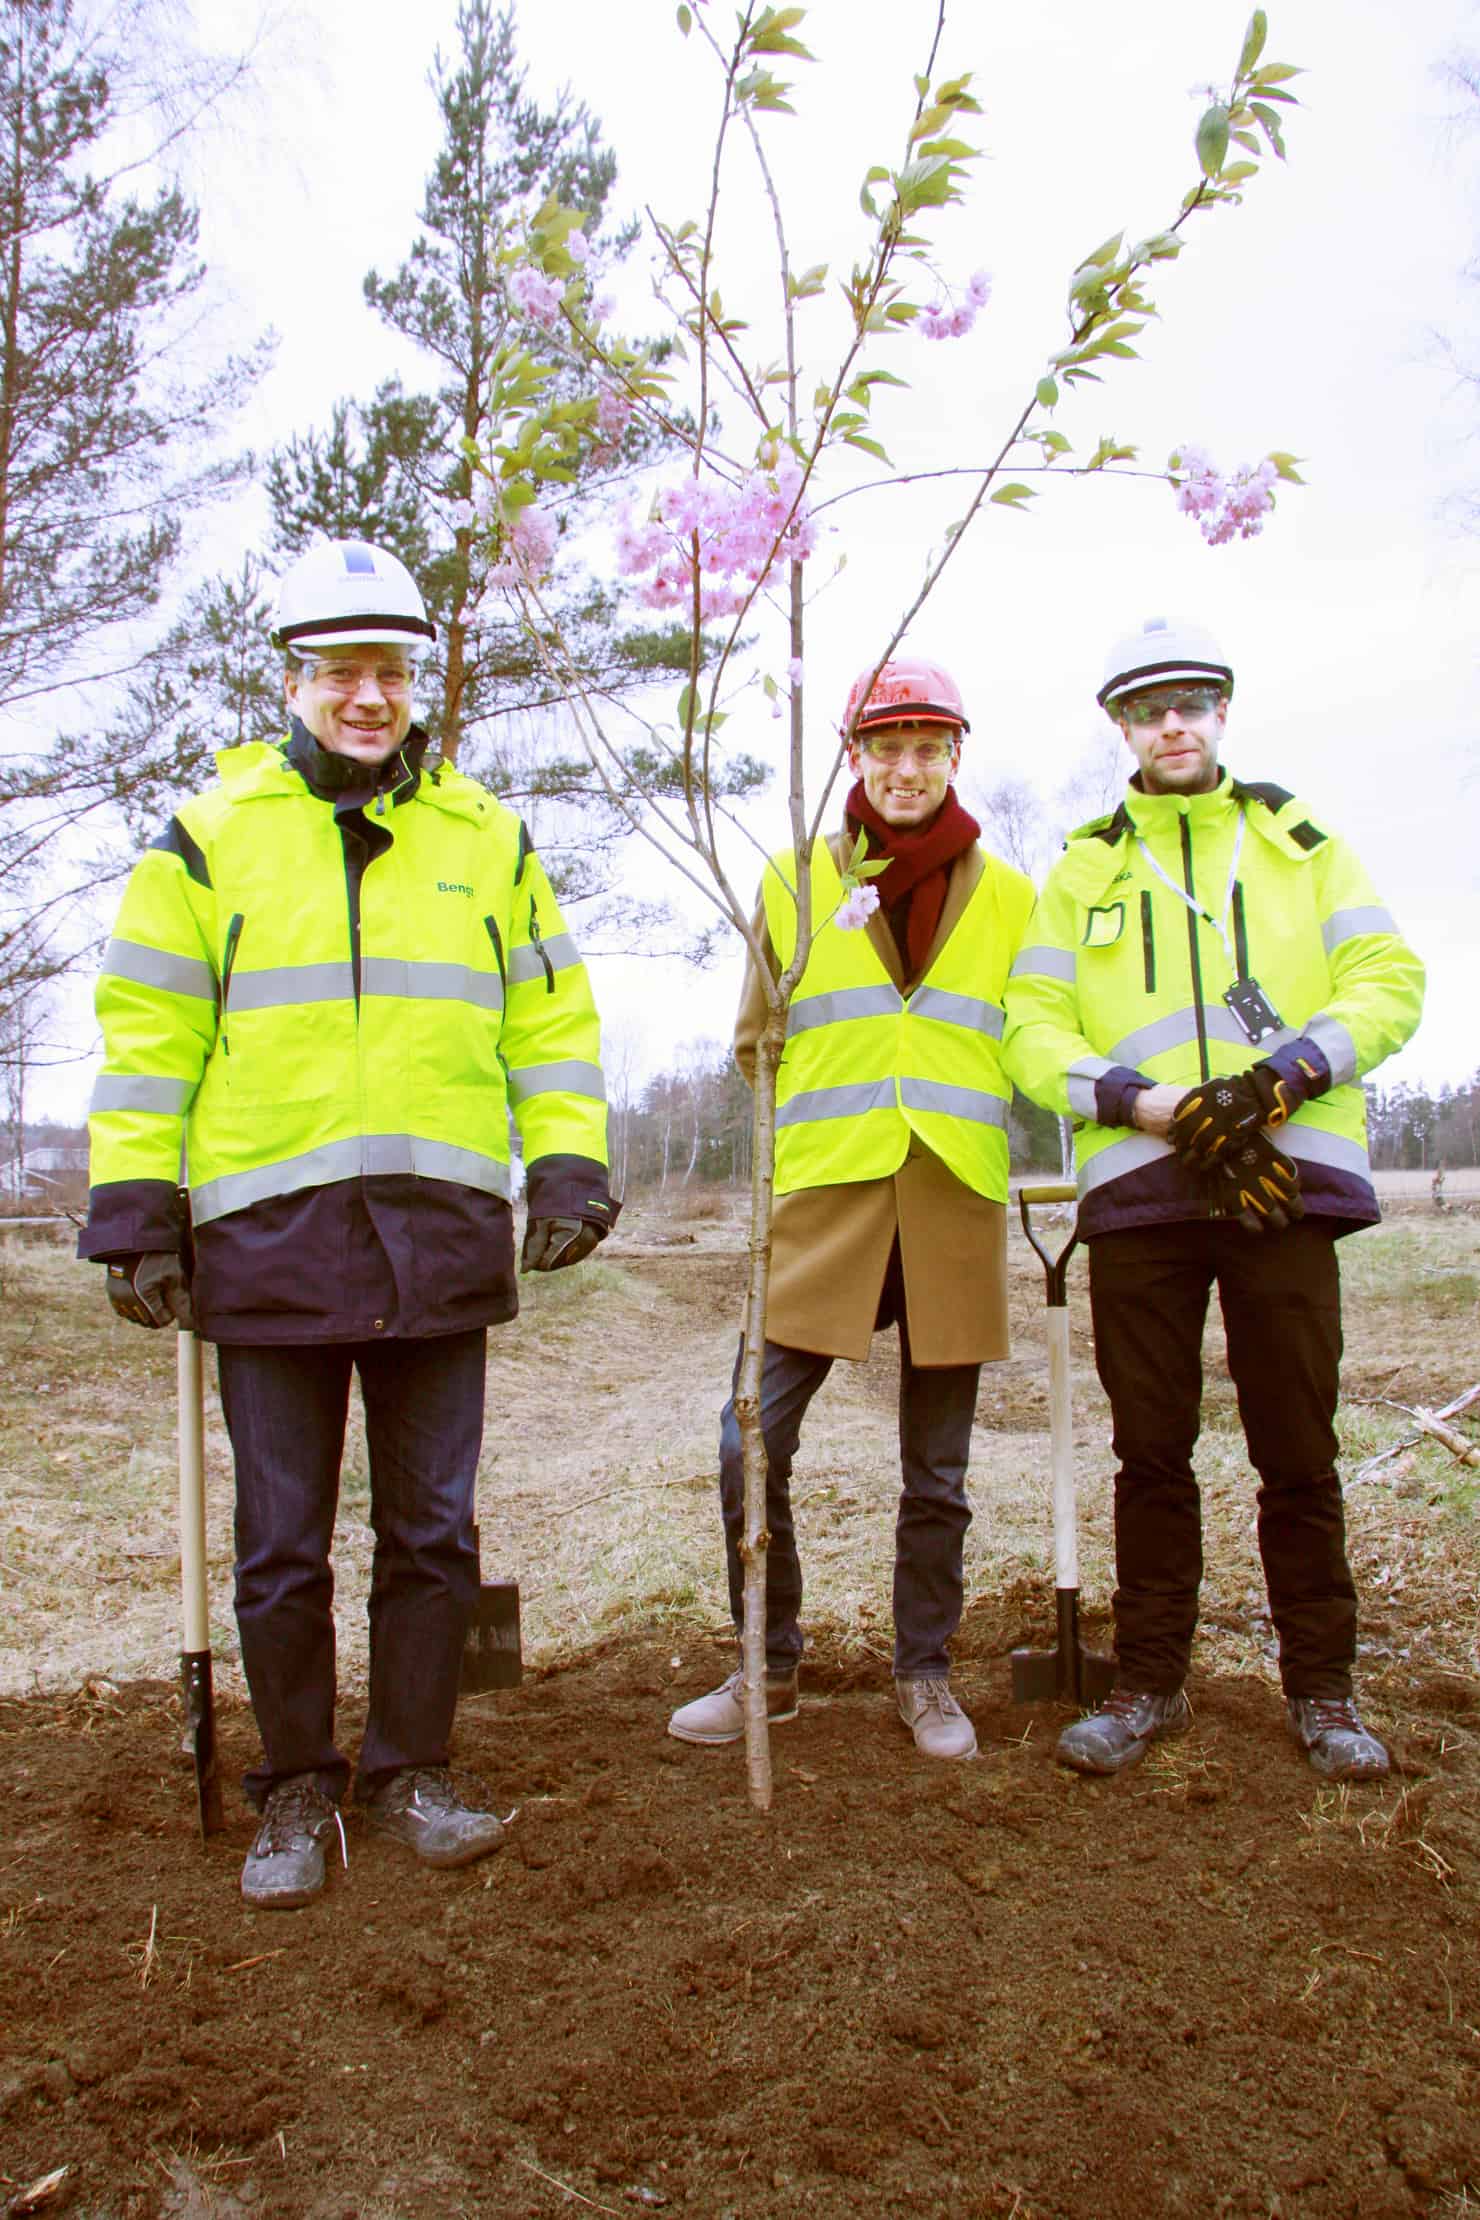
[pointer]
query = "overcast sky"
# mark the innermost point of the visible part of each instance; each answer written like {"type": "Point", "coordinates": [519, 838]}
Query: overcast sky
{"type": "Point", "coordinates": [1304, 320]}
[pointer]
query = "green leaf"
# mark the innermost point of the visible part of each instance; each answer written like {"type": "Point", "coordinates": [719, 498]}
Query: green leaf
{"type": "Point", "coordinates": [878, 175]}
{"type": "Point", "coordinates": [1276, 73]}
{"type": "Point", "coordinates": [1254, 39]}
{"type": "Point", "coordinates": [1013, 496]}
{"type": "Point", "coordinates": [868, 446]}
{"type": "Point", "coordinates": [1212, 139]}
{"type": "Point", "coordinates": [685, 21]}
{"type": "Point", "coordinates": [1103, 255]}
{"type": "Point", "coordinates": [1048, 393]}
{"type": "Point", "coordinates": [1285, 465]}
{"type": "Point", "coordinates": [685, 706]}
{"type": "Point", "coordinates": [1270, 124]}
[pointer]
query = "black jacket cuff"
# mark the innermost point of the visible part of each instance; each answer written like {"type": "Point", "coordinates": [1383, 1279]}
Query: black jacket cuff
{"type": "Point", "coordinates": [570, 1187]}
{"type": "Point", "coordinates": [127, 1217]}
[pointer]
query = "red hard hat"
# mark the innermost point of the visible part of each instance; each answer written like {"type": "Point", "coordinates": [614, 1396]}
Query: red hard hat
{"type": "Point", "coordinates": [906, 691]}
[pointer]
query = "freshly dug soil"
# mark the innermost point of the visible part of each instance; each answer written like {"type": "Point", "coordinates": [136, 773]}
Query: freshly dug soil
{"type": "Point", "coordinates": [1212, 1987]}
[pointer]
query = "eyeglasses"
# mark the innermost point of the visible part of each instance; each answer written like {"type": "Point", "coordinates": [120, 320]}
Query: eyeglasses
{"type": "Point", "coordinates": [348, 678]}
{"type": "Point", "coordinates": [1149, 709]}
{"type": "Point", "coordinates": [886, 749]}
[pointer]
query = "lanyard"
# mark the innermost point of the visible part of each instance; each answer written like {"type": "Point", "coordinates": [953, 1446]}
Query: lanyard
{"type": "Point", "coordinates": [1219, 924]}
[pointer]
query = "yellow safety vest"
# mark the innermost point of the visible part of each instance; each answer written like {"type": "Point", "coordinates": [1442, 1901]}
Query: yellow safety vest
{"type": "Point", "coordinates": [866, 1066]}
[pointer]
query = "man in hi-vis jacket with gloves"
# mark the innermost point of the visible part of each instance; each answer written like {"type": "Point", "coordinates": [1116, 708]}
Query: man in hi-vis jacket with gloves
{"type": "Point", "coordinates": [1206, 980]}
{"type": "Point", "coordinates": [333, 974]}
{"type": "Point", "coordinates": [891, 1177]}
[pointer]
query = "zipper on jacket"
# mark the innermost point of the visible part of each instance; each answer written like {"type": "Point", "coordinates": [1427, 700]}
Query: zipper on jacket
{"type": "Point", "coordinates": [1240, 935]}
{"type": "Point", "coordinates": [539, 948]}
{"type": "Point", "coordinates": [233, 935]}
{"type": "Point", "coordinates": [1204, 1069]}
{"type": "Point", "coordinates": [1148, 941]}
{"type": "Point", "coordinates": [490, 926]}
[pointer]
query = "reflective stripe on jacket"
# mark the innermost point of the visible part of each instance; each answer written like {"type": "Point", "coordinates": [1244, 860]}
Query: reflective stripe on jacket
{"type": "Point", "coordinates": [1118, 976]}
{"type": "Point", "coordinates": [865, 1066]}
{"type": "Point", "coordinates": [246, 1018]}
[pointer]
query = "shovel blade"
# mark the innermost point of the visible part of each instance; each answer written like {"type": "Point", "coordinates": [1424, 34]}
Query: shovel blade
{"type": "Point", "coordinates": [491, 1653]}
{"type": "Point", "coordinates": [200, 1737]}
{"type": "Point", "coordinates": [1068, 1673]}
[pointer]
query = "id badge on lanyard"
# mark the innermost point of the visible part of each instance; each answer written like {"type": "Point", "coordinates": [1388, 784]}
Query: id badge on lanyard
{"type": "Point", "coordinates": [1253, 1012]}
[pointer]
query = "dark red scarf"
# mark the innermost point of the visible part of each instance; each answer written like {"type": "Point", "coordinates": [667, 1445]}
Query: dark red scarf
{"type": "Point", "coordinates": [912, 892]}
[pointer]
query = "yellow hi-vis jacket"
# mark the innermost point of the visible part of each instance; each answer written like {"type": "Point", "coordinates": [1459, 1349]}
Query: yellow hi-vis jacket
{"type": "Point", "coordinates": [865, 1066]}
{"type": "Point", "coordinates": [1119, 977]}
{"type": "Point", "coordinates": [244, 1017]}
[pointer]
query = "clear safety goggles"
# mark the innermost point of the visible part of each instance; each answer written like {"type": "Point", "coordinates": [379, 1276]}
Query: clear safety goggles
{"type": "Point", "coordinates": [889, 748]}
{"type": "Point", "coordinates": [1187, 701]}
{"type": "Point", "coordinates": [339, 675]}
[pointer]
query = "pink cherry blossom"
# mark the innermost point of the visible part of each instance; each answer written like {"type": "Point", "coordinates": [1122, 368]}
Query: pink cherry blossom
{"type": "Point", "coordinates": [529, 548]}
{"type": "Point", "coordinates": [578, 246]}
{"type": "Point", "coordinates": [856, 908]}
{"type": "Point", "coordinates": [942, 321]}
{"type": "Point", "coordinates": [729, 536]}
{"type": "Point", "coordinates": [794, 670]}
{"type": "Point", "coordinates": [1225, 507]}
{"type": "Point", "coordinates": [537, 295]}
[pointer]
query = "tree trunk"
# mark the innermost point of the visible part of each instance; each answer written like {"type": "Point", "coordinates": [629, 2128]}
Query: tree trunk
{"type": "Point", "coordinates": [756, 1537]}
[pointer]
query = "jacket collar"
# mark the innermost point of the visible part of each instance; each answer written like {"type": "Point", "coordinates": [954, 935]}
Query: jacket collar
{"type": "Point", "coordinates": [339, 779]}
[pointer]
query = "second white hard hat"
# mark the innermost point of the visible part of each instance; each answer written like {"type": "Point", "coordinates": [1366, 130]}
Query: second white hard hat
{"type": "Point", "coordinates": [1163, 651]}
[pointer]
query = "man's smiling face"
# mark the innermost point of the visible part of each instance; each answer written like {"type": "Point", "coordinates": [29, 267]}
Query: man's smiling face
{"type": "Point", "coordinates": [356, 701]}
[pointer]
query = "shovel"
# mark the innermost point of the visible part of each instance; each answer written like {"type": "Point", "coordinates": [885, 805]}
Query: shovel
{"type": "Point", "coordinates": [491, 1654]}
{"type": "Point", "coordinates": [195, 1657]}
{"type": "Point", "coordinates": [1068, 1672]}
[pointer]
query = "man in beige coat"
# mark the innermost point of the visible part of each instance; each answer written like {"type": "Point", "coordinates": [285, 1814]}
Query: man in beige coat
{"type": "Point", "coordinates": [891, 1176]}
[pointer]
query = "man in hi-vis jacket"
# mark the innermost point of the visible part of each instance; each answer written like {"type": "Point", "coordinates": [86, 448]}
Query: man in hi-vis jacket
{"type": "Point", "coordinates": [891, 1177]}
{"type": "Point", "coordinates": [332, 976]}
{"type": "Point", "coordinates": [1207, 979]}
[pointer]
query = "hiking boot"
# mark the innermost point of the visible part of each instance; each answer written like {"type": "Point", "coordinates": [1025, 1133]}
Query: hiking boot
{"type": "Point", "coordinates": [1123, 1730]}
{"type": "Point", "coordinates": [421, 1808]}
{"type": "Point", "coordinates": [720, 1716]}
{"type": "Point", "coordinates": [1331, 1733]}
{"type": "Point", "coordinates": [285, 1865]}
{"type": "Point", "coordinates": [940, 1727]}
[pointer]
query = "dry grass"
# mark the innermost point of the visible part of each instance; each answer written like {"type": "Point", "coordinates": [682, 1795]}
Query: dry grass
{"type": "Point", "coordinates": [597, 1484]}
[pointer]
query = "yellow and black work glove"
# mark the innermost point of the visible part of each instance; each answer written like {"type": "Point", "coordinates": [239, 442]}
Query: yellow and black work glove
{"type": "Point", "coordinates": [1256, 1183]}
{"type": "Point", "coordinates": [1210, 1119]}
{"type": "Point", "coordinates": [151, 1290]}
{"type": "Point", "coordinates": [550, 1244]}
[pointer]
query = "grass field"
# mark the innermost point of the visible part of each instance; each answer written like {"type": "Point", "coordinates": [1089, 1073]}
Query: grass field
{"type": "Point", "coordinates": [597, 1481]}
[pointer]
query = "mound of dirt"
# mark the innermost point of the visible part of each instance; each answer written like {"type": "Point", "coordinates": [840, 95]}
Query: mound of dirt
{"type": "Point", "coordinates": [1213, 1987]}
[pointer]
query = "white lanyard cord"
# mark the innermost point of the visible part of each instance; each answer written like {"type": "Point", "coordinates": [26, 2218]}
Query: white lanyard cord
{"type": "Point", "coordinates": [1219, 924]}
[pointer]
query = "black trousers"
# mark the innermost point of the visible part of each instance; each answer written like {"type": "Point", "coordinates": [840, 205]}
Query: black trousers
{"type": "Point", "coordinates": [285, 1410]}
{"type": "Point", "coordinates": [1281, 1303]}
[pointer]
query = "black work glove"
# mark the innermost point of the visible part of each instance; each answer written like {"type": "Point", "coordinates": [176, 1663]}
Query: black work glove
{"type": "Point", "coordinates": [1211, 1118]}
{"type": "Point", "coordinates": [151, 1290]}
{"type": "Point", "coordinates": [1256, 1183]}
{"type": "Point", "coordinates": [550, 1244]}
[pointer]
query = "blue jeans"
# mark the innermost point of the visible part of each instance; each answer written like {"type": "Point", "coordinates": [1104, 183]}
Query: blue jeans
{"type": "Point", "coordinates": [285, 1412]}
{"type": "Point", "coordinates": [936, 1408]}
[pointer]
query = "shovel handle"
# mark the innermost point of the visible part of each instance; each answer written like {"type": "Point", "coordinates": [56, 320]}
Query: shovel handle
{"type": "Point", "coordinates": [195, 1613]}
{"type": "Point", "coordinates": [1054, 1267]}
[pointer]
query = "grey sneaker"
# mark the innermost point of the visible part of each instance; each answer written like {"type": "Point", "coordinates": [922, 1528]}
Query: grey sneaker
{"type": "Point", "coordinates": [285, 1865]}
{"type": "Point", "coordinates": [421, 1808]}
{"type": "Point", "coordinates": [720, 1716]}
{"type": "Point", "coordinates": [1123, 1730]}
{"type": "Point", "coordinates": [940, 1727]}
{"type": "Point", "coordinates": [1330, 1731]}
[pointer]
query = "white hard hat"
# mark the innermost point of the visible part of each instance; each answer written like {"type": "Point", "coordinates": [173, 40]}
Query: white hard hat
{"type": "Point", "coordinates": [1163, 652]}
{"type": "Point", "coordinates": [342, 593]}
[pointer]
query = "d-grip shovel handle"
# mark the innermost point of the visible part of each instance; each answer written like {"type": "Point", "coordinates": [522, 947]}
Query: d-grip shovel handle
{"type": "Point", "coordinates": [1054, 1267]}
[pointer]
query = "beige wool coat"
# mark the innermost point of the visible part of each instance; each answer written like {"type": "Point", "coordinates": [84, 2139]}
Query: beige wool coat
{"type": "Point", "coordinates": [830, 1246]}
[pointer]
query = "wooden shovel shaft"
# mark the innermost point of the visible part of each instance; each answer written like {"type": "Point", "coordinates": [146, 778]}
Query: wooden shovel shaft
{"type": "Point", "coordinates": [195, 1612]}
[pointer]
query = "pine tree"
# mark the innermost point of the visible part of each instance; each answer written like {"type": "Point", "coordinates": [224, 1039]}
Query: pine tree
{"type": "Point", "coordinates": [102, 433]}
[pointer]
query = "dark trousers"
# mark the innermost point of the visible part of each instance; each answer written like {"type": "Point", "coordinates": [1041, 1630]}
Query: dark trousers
{"type": "Point", "coordinates": [1281, 1302]}
{"type": "Point", "coordinates": [285, 1412]}
{"type": "Point", "coordinates": [936, 1408]}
